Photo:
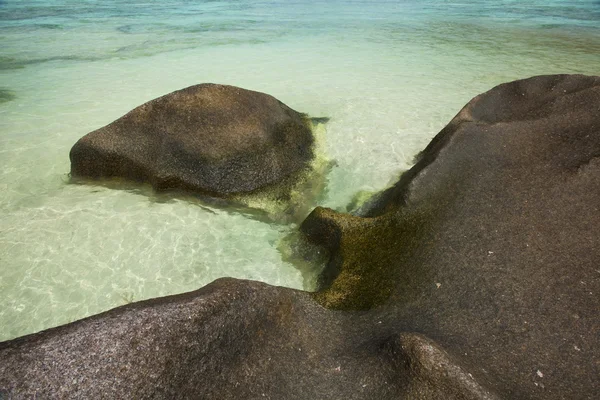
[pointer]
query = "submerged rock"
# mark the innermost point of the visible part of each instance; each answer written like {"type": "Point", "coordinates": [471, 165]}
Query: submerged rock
{"type": "Point", "coordinates": [209, 139]}
{"type": "Point", "coordinates": [475, 277]}
{"type": "Point", "coordinates": [6, 95]}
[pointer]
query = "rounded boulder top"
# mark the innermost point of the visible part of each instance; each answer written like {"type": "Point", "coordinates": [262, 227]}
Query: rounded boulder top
{"type": "Point", "coordinates": [209, 139]}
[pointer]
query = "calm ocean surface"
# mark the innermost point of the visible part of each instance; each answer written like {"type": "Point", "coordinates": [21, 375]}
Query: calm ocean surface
{"type": "Point", "coordinates": [389, 74]}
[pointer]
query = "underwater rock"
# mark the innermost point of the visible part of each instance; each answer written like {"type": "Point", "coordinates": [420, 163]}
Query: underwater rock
{"type": "Point", "coordinates": [6, 95]}
{"type": "Point", "coordinates": [209, 139]}
{"type": "Point", "coordinates": [474, 277]}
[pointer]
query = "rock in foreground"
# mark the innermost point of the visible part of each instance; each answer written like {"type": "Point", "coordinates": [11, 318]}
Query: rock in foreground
{"type": "Point", "coordinates": [229, 340]}
{"type": "Point", "coordinates": [209, 139]}
{"type": "Point", "coordinates": [476, 277]}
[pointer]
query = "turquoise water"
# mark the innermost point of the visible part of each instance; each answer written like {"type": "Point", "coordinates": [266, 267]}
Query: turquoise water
{"type": "Point", "coordinates": [389, 74]}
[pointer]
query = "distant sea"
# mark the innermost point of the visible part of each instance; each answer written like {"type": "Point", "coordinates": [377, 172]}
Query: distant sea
{"type": "Point", "coordinates": [389, 74]}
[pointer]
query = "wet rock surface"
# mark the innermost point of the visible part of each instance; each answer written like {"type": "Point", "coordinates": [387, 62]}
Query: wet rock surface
{"type": "Point", "coordinates": [475, 277]}
{"type": "Point", "coordinates": [210, 139]}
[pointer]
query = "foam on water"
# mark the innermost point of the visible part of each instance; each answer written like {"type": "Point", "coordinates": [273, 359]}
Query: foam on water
{"type": "Point", "coordinates": [389, 74]}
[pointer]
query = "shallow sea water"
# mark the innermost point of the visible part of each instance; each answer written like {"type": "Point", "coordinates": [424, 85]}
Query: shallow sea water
{"type": "Point", "coordinates": [389, 74]}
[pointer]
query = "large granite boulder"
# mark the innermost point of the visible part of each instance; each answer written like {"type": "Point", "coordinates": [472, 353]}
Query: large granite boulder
{"type": "Point", "coordinates": [490, 243]}
{"type": "Point", "coordinates": [209, 139]}
{"type": "Point", "coordinates": [230, 340]}
{"type": "Point", "coordinates": [475, 277]}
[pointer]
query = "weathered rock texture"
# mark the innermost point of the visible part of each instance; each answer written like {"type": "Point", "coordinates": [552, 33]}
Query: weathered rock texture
{"type": "Point", "coordinates": [490, 243]}
{"type": "Point", "coordinates": [475, 277]}
{"type": "Point", "coordinates": [230, 340]}
{"type": "Point", "coordinates": [209, 139]}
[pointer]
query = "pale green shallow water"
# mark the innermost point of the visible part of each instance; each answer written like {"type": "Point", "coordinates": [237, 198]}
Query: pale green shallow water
{"type": "Point", "coordinates": [389, 75]}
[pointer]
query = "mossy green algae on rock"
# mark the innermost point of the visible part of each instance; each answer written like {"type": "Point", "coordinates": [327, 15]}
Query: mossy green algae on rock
{"type": "Point", "coordinates": [361, 272]}
{"type": "Point", "coordinates": [292, 199]}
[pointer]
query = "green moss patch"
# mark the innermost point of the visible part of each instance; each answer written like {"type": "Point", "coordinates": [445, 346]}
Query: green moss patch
{"type": "Point", "coordinates": [369, 257]}
{"type": "Point", "coordinates": [292, 199]}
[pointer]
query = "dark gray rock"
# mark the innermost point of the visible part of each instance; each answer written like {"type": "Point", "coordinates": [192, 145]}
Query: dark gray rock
{"type": "Point", "coordinates": [229, 340]}
{"type": "Point", "coordinates": [210, 139]}
{"type": "Point", "coordinates": [490, 244]}
{"type": "Point", "coordinates": [475, 277]}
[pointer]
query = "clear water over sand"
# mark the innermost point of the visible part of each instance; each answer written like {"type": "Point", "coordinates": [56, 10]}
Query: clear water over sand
{"type": "Point", "coordinates": [389, 74]}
